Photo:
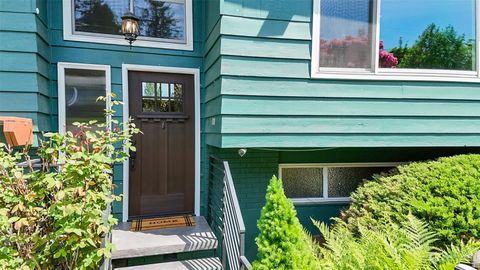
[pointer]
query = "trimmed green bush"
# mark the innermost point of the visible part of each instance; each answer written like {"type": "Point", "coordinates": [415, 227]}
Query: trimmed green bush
{"type": "Point", "coordinates": [444, 193]}
{"type": "Point", "coordinates": [282, 243]}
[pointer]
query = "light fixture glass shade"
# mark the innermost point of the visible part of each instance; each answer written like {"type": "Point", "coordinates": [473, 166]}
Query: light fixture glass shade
{"type": "Point", "coordinates": [130, 27]}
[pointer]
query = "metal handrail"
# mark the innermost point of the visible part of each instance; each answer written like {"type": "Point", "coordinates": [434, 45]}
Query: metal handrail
{"type": "Point", "coordinates": [232, 227]}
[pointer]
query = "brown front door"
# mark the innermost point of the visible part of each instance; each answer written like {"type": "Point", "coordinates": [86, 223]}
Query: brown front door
{"type": "Point", "coordinates": [162, 171]}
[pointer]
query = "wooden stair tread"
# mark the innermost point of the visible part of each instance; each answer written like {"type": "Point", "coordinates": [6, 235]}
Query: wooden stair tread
{"type": "Point", "coordinates": [196, 264]}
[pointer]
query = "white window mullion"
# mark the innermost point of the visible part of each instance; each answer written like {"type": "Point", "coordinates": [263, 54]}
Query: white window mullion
{"type": "Point", "coordinates": [376, 34]}
{"type": "Point", "coordinates": [325, 182]}
{"type": "Point", "coordinates": [315, 61]}
{"type": "Point", "coordinates": [477, 37]}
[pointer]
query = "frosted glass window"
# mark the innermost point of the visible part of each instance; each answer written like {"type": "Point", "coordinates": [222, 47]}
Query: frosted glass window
{"type": "Point", "coordinates": [344, 180]}
{"type": "Point", "coordinates": [302, 182]}
{"type": "Point", "coordinates": [325, 182]}
{"type": "Point", "coordinates": [82, 88]}
{"type": "Point", "coordinates": [346, 36]}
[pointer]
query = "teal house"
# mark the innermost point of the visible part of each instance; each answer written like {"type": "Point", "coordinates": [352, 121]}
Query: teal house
{"type": "Point", "coordinates": [323, 93]}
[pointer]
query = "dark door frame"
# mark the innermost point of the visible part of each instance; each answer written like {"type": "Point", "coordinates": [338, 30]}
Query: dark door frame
{"type": "Point", "coordinates": [126, 114]}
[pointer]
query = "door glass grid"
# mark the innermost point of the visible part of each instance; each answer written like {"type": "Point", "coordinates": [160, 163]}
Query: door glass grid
{"type": "Point", "coordinates": [162, 97]}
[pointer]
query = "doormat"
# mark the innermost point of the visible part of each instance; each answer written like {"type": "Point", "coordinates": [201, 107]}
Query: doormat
{"type": "Point", "coordinates": [161, 223]}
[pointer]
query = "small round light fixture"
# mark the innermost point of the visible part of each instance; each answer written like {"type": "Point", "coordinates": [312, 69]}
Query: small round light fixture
{"type": "Point", "coordinates": [130, 27]}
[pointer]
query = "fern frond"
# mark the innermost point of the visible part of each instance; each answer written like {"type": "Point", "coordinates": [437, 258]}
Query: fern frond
{"type": "Point", "coordinates": [418, 233]}
{"type": "Point", "coordinates": [455, 254]}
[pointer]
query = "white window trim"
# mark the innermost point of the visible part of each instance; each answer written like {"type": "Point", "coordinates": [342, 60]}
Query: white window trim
{"type": "Point", "coordinates": [325, 199]}
{"type": "Point", "coordinates": [61, 66]}
{"type": "Point", "coordinates": [69, 34]}
{"type": "Point", "coordinates": [126, 116]}
{"type": "Point", "coordinates": [378, 73]}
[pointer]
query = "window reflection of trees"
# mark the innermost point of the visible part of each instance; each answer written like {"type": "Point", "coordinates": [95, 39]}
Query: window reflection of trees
{"type": "Point", "coordinates": [95, 16]}
{"type": "Point", "coordinates": [158, 19]}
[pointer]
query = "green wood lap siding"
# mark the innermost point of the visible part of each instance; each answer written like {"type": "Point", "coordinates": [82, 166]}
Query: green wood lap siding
{"type": "Point", "coordinates": [24, 63]}
{"type": "Point", "coordinates": [264, 96]}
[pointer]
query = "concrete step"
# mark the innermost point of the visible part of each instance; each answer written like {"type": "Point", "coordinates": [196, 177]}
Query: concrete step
{"type": "Point", "coordinates": [197, 264]}
{"type": "Point", "coordinates": [130, 244]}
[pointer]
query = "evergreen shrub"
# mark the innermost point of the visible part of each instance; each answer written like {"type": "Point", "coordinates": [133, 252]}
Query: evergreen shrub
{"type": "Point", "coordinates": [282, 242]}
{"type": "Point", "coordinates": [444, 193]}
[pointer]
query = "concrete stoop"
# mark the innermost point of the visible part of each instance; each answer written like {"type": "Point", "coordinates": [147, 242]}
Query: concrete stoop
{"type": "Point", "coordinates": [197, 264]}
{"type": "Point", "coordinates": [185, 248]}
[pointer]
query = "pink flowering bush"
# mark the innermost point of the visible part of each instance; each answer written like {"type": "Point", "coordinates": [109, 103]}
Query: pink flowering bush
{"type": "Point", "coordinates": [387, 59]}
{"type": "Point", "coordinates": [352, 52]}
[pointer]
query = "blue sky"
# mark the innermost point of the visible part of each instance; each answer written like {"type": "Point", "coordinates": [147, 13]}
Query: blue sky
{"type": "Point", "coordinates": [408, 18]}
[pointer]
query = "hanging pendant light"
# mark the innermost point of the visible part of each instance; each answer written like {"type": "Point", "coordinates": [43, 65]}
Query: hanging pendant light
{"type": "Point", "coordinates": [130, 27]}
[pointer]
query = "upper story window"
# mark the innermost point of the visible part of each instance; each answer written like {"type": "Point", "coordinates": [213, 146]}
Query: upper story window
{"type": "Point", "coordinates": [400, 40]}
{"type": "Point", "coordinates": [163, 23]}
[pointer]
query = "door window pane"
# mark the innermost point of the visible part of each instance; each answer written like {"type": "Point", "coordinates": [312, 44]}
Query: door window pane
{"type": "Point", "coordinates": [82, 88]}
{"type": "Point", "coordinates": [428, 34]}
{"type": "Point", "coordinates": [162, 97]}
{"type": "Point", "coordinates": [158, 19]}
{"type": "Point", "coordinates": [346, 33]}
{"type": "Point", "coordinates": [344, 180]}
{"type": "Point", "coordinates": [149, 104]}
{"type": "Point", "coordinates": [302, 182]}
{"type": "Point", "coordinates": [165, 89]}
{"type": "Point", "coordinates": [176, 90]}
{"type": "Point", "coordinates": [148, 89]}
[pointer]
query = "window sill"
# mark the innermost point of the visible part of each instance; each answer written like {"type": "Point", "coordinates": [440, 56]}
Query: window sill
{"type": "Point", "coordinates": [315, 201]}
{"type": "Point", "coordinates": [122, 42]}
{"type": "Point", "coordinates": [403, 75]}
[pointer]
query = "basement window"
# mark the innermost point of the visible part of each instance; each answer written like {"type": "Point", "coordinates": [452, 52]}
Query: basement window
{"type": "Point", "coordinates": [427, 40]}
{"type": "Point", "coordinates": [326, 183]}
{"type": "Point", "coordinates": [163, 23]}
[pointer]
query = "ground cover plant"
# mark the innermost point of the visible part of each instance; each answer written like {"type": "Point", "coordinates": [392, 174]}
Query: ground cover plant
{"type": "Point", "coordinates": [53, 217]}
{"type": "Point", "coordinates": [406, 246]}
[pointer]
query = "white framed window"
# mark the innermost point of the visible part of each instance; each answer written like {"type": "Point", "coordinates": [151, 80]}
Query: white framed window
{"type": "Point", "coordinates": [166, 24]}
{"type": "Point", "coordinates": [79, 86]}
{"type": "Point", "coordinates": [314, 183]}
{"type": "Point", "coordinates": [427, 40]}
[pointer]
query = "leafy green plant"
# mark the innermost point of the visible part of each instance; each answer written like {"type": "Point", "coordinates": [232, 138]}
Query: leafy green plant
{"type": "Point", "coordinates": [52, 217]}
{"type": "Point", "coordinates": [282, 243]}
{"type": "Point", "coordinates": [443, 193]}
{"type": "Point", "coordinates": [437, 48]}
{"type": "Point", "coordinates": [408, 246]}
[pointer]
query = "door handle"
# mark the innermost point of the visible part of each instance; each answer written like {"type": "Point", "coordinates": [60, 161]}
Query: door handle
{"type": "Point", "coordinates": [133, 156]}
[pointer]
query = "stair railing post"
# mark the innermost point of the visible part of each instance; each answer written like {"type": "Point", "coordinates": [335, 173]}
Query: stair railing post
{"type": "Point", "coordinates": [224, 247]}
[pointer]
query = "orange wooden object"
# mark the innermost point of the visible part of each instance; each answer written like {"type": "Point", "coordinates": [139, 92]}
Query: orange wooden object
{"type": "Point", "coordinates": [17, 131]}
